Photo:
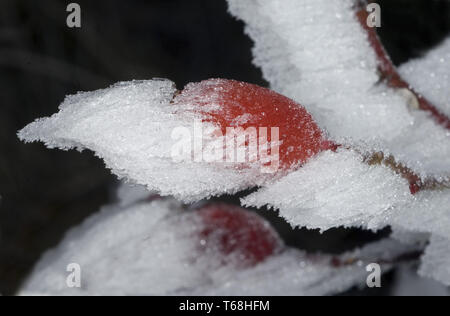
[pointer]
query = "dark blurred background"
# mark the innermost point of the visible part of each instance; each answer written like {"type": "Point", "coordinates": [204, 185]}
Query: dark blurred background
{"type": "Point", "coordinates": [45, 192]}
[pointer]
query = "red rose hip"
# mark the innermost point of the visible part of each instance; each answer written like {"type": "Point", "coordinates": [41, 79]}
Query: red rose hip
{"type": "Point", "coordinates": [242, 237]}
{"type": "Point", "coordinates": [230, 103]}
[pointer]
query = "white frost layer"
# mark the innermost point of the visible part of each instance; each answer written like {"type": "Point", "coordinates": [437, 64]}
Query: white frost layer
{"type": "Point", "coordinates": [429, 213]}
{"type": "Point", "coordinates": [335, 189]}
{"type": "Point", "coordinates": [152, 249]}
{"type": "Point", "coordinates": [316, 52]}
{"type": "Point", "coordinates": [430, 76]}
{"type": "Point", "coordinates": [122, 251]}
{"type": "Point", "coordinates": [130, 126]}
{"type": "Point", "coordinates": [295, 273]}
{"type": "Point", "coordinates": [409, 237]}
{"type": "Point", "coordinates": [436, 261]}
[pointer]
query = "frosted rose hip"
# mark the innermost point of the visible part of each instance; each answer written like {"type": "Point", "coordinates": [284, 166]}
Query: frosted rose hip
{"type": "Point", "coordinates": [238, 234]}
{"type": "Point", "coordinates": [230, 103]}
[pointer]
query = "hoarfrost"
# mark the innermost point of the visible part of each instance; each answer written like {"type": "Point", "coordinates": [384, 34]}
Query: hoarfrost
{"type": "Point", "coordinates": [151, 248]}
{"type": "Point", "coordinates": [335, 189]}
{"type": "Point", "coordinates": [430, 75]}
{"type": "Point", "coordinates": [317, 53]}
{"type": "Point", "coordinates": [130, 126]}
{"type": "Point", "coordinates": [436, 261]}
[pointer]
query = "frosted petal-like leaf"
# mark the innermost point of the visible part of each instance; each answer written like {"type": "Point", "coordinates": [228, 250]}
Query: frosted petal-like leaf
{"type": "Point", "coordinates": [294, 273]}
{"type": "Point", "coordinates": [121, 250]}
{"type": "Point", "coordinates": [153, 249]}
{"type": "Point", "coordinates": [436, 261]}
{"type": "Point", "coordinates": [316, 52]}
{"type": "Point", "coordinates": [130, 126]}
{"type": "Point", "coordinates": [430, 75]}
{"type": "Point", "coordinates": [335, 189]}
{"type": "Point", "coordinates": [429, 213]}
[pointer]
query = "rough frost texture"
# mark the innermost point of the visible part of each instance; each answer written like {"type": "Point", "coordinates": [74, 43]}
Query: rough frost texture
{"type": "Point", "coordinates": [130, 126]}
{"type": "Point", "coordinates": [430, 76]}
{"type": "Point", "coordinates": [428, 216]}
{"type": "Point", "coordinates": [316, 52]}
{"type": "Point", "coordinates": [121, 250]}
{"type": "Point", "coordinates": [436, 261]}
{"type": "Point", "coordinates": [429, 213]}
{"type": "Point", "coordinates": [334, 190]}
{"type": "Point", "coordinates": [295, 273]}
{"type": "Point", "coordinates": [152, 248]}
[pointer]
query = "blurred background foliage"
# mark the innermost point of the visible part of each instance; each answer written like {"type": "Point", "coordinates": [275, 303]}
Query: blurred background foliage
{"type": "Point", "coordinates": [45, 192]}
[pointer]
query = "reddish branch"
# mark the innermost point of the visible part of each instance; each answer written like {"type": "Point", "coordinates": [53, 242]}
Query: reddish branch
{"type": "Point", "coordinates": [389, 74]}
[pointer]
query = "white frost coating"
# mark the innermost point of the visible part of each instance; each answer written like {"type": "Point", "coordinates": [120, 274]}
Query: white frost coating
{"type": "Point", "coordinates": [122, 251]}
{"type": "Point", "coordinates": [436, 261]}
{"type": "Point", "coordinates": [152, 249]}
{"type": "Point", "coordinates": [414, 223]}
{"type": "Point", "coordinates": [294, 273]}
{"type": "Point", "coordinates": [425, 149]}
{"type": "Point", "coordinates": [335, 189]}
{"type": "Point", "coordinates": [316, 52]}
{"type": "Point", "coordinates": [430, 76]}
{"type": "Point", "coordinates": [429, 213]}
{"type": "Point", "coordinates": [406, 236]}
{"type": "Point", "coordinates": [130, 126]}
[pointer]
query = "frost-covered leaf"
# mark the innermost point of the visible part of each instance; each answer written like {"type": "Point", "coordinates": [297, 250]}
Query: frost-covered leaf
{"type": "Point", "coordinates": [428, 216]}
{"type": "Point", "coordinates": [155, 248]}
{"type": "Point", "coordinates": [436, 261]}
{"type": "Point", "coordinates": [214, 137]}
{"type": "Point", "coordinates": [296, 273]}
{"type": "Point", "coordinates": [130, 126]}
{"type": "Point", "coordinates": [430, 75]}
{"type": "Point", "coordinates": [335, 189]}
{"type": "Point", "coordinates": [429, 213]}
{"type": "Point", "coordinates": [316, 52]}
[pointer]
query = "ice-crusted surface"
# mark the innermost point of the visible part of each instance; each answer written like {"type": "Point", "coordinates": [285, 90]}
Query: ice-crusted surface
{"type": "Point", "coordinates": [316, 52]}
{"type": "Point", "coordinates": [130, 126]}
{"type": "Point", "coordinates": [430, 75]}
{"type": "Point", "coordinates": [151, 248]}
{"type": "Point", "coordinates": [428, 213]}
{"type": "Point", "coordinates": [407, 236]}
{"type": "Point", "coordinates": [121, 251]}
{"type": "Point", "coordinates": [294, 273]}
{"type": "Point", "coordinates": [436, 261]}
{"type": "Point", "coordinates": [335, 189]}
{"type": "Point", "coordinates": [427, 219]}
